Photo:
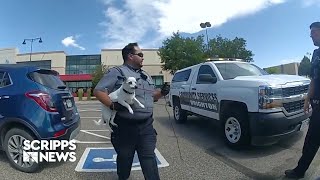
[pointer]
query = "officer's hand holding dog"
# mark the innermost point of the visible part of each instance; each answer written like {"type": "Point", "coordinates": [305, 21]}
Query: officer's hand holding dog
{"type": "Point", "coordinates": [306, 105]}
{"type": "Point", "coordinates": [165, 89]}
{"type": "Point", "coordinates": [117, 107]}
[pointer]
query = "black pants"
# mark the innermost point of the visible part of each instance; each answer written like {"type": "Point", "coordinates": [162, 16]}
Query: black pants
{"type": "Point", "coordinates": [311, 142]}
{"type": "Point", "coordinates": [128, 138]}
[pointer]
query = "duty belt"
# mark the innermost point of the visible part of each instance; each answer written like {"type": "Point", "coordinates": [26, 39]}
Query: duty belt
{"type": "Point", "coordinates": [125, 121]}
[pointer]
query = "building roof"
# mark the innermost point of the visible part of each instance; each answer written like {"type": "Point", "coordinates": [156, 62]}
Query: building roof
{"type": "Point", "coordinates": [47, 52]}
{"type": "Point", "coordinates": [76, 77]}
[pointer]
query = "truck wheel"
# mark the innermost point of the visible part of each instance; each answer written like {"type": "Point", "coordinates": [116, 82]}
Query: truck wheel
{"type": "Point", "coordinates": [180, 115]}
{"type": "Point", "coordinates": [236, 129]}
{"type": "Point", "coordinates": [13, 146]}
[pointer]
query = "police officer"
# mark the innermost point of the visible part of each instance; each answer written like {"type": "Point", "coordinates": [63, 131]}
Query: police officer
{"type": "Point", "coordinates": [312, 140]}
{"type": "Point", "coordinates": [134, 132]}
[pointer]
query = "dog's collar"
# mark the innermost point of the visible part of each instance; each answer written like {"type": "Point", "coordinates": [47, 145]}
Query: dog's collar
{"type": "Point", "coordinates": [127, 91]}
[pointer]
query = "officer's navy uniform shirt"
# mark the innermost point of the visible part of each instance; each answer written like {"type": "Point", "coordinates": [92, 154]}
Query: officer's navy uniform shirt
{"type": "Point", "coordinates": [315, 73]}
{"type": "Point", "coordinates": [112, 80]}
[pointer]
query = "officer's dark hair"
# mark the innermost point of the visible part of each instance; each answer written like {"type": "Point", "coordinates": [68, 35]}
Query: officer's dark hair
{"type": "Point", "coordinates": [315, 25]}
{"type": "Point", "coordinates": [128, 49]}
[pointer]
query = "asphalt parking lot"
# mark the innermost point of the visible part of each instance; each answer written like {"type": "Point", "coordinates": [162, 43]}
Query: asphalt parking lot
{"type": "Point", "coordinates": [193, 151]}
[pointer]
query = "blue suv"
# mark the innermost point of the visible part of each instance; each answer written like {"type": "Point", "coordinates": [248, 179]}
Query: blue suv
{"type": "Point", "coordinates": [34, 105]}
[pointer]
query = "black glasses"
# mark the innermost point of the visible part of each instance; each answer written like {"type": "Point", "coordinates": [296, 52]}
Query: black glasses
{"type": "Point", "coordinates": [138, 54]}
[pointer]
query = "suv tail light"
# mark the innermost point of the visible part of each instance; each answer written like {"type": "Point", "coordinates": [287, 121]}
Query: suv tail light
{"type": "Point", "coordinates": [43, 99]}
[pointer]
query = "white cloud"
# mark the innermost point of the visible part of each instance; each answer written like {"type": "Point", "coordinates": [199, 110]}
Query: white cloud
{"type": "Point", "coordinates": [136, 19]}
{"type": "Point", "coordinates": [70, 41]}
{"type": "Point", "coordinates": [311, 2]}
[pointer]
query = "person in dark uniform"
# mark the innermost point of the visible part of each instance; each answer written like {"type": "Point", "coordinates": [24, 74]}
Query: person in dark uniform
{"type": "Point", "coordinates": [312, 140]}
{"type": "Point", "coordinates": [134, 132]}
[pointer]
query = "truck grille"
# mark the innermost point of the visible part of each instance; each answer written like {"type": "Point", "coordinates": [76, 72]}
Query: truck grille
{"type": "Point", "coordinates": [293, 106]}
{"type": "Point", "coordinates": [290, 91]}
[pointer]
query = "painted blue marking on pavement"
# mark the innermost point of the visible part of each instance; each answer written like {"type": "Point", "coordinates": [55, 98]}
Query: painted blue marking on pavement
{"type": "Point", "coordinates": [104, 160]}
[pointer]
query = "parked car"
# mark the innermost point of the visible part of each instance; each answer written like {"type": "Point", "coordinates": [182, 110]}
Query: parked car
{"type": "Point", "coordinates": [252, 106]}
{"type": "Point", "coordinates": [34, 105]}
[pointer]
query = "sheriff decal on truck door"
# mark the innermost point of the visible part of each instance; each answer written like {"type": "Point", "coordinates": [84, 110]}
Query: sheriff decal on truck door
{"type": "Point", "coordinates": [205, 101]}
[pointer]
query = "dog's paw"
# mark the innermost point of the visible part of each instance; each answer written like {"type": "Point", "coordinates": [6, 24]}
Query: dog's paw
{"type": "Point", "coordinates": [98, 123]}
{"type": "Point", "coordinates": [114, 124]}
{"type": "Point", "coordinates": [142, 106]}
{"type": "Point", "coordinates": [130, 111]}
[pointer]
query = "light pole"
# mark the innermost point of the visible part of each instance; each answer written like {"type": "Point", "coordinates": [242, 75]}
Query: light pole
{"type": "Point", "coordinates": [31, 40]}
{"type": "Point", "coordinates": [205, 25]}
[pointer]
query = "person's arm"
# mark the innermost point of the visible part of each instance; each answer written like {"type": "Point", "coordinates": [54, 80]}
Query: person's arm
{"type": "Point", "coordinates": [309, 95]}
{"type": "Point", "coordinates": [311, 90]}
{"type": "Point", "coordinates": [103, 97]}
{"type": "Point", "coordinates": [157, 94]}
{"type": "Point", "coordinates": [105, 86]}
{"type": "Point", "coordinates": [311, 86]}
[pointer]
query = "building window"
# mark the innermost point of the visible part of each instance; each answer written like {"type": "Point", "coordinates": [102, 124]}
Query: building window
{"type": "Point", "coordinates": [158, 81]}
{"type": "Point", "coordinates": [41, 64]}
{"type": "Point", "coordinates": [74, 86]}
{"type": "Point", "coordinates": [82, 64]}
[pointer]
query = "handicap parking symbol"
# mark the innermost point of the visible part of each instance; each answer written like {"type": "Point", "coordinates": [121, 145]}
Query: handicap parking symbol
{"type": "Point", "coordinates": [104, 160]}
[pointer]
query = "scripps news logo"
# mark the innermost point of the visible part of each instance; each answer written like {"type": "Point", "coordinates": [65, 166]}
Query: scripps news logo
{"type": "Point", "coordinates": [49, 151]}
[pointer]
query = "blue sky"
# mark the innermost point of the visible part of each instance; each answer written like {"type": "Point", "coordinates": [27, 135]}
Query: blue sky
{"type": "Point", "coordinates": [277, 31]}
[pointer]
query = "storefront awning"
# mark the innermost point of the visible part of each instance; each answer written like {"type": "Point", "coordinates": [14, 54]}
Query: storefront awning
{"type": "Point", "coordinates": [76, 77]}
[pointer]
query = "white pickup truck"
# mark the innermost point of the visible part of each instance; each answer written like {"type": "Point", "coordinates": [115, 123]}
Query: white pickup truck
{"type": "Point", "coordinates": [253, 107]}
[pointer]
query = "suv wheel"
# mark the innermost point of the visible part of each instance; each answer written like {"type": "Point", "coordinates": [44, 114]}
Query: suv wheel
{"type": "Point", "coordinates": [180, 115]}
{"type": "Point", "coordinates": [236, 129]}
{"type": "Point", "coordinates": [13, 146]}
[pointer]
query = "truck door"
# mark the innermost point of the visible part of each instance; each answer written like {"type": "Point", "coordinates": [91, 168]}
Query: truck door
{"type": "Point", "coordinates": [184, 78]}
{"type": "Point", "coordinates": [180, 87]}
{"type": "Point", "coordinates": [204, 89]}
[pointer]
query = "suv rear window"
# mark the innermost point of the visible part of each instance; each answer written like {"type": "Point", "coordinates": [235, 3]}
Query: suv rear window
{"type": "Point", "coordinates": [4, 79]}
{"type": "Point", "coordinates": [181, 76]}
{"type": "Point", "coordinates": [47, 78]}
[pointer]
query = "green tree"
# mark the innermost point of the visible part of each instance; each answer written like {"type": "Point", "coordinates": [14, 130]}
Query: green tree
{"type": "Point", "coordinates": [97, 74]}
{"type": "Point", "coordinates": [304, 67]}
{"type": "Point", "coordinates": [226, 48]}
{"type": "Point", "coordinates": [272, 70]}
{"type": "Point", "coordinates": [178, 52]}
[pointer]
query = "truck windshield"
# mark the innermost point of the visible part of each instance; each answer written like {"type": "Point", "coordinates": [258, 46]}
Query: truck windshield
{"type": "Point", "coordinates": [233, 70]}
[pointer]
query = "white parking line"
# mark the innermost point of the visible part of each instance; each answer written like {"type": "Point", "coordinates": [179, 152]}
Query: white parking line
{"type": "Point", "coordinates": [97, 130]}
{"type": "Point", "coordinates": [90, 117]}
{"type": "Point", "coordinates": [92, 142]}
{"type": "Point", "coordinates": [90, 110]}
{"type": "Point", "coordinates": [94, 134]}
{"type": "Point", "coordinates": [92, 104]}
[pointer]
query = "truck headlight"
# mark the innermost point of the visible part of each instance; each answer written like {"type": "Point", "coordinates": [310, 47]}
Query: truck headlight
{"type": "Point", "coordinates": [270, 97]}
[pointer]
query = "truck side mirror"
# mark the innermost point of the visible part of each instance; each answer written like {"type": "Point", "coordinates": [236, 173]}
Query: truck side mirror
{"type": "Point", "coordinates": [207, 78]}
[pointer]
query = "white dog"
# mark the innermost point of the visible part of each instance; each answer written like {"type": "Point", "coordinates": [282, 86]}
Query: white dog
{"type": "Point", "coordinates": [125, 96]}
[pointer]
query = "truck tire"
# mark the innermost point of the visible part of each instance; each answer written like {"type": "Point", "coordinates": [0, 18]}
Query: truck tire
{"type": "Point", "coordinates": [180, 115]}
{"type": "Point", "coordinates": [236, 131]}
{"type": "Point", "coordinates": [13, 146]}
